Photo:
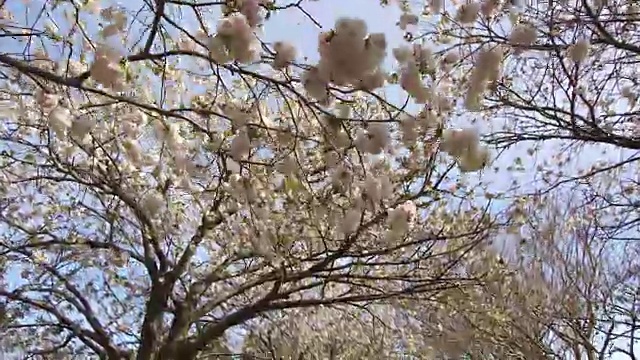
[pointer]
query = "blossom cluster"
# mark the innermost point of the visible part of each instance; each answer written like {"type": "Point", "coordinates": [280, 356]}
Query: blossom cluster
{"type": "Point", "coordinates": [485, 71]}
{"type": "Point", "coordinates": [60, 119]}
{"type": "Point", "coordinates": [414, 61]}
{"type": "Point", "coordinates": [106, 69]}
{"type": "Point", "coordinates": [348, 56]}
{"type": "Point", "coordinates": [579, 51]}
{"type": "Point", "coordinates": [117, 21]}
{"type": "Point", "coordinates": [469, 12]}
{"type": "Point", "coordinates": [234, 40]}
{"type": "Point", "coordinates": [463, 145]}
{"type": "Point", "coordinates": [522, 35]}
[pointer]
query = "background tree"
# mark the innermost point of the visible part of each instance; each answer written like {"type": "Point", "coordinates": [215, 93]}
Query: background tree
{"type": "Point", "coordinates": [555, 84]}
{"type": "Point", "coordinates": [569, 291]}
{"type": "Point", "coordinates": [562, 95]}
{"type": "Point", "coordinates": [591, 275]}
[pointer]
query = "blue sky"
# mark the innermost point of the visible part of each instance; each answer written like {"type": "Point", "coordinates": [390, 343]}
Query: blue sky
{"type": "Point", "coordinates": [295, 27]}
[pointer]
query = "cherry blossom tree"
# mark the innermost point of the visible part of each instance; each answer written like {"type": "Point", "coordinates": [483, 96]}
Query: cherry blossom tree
{"type": "Point", "coordinates": [171, 181]}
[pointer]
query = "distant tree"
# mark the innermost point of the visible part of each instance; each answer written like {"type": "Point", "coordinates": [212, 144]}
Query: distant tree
{"type": "Point", "coordinates": [556, 83]}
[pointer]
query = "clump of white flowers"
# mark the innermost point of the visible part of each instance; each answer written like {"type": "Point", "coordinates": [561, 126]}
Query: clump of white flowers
{"type": "Point", "coordinates": [240, 145]}
{"type": "Point", "coordinates": [82, 126]}
{"type": "Point", "coordinates": [474, 160]}
{"type": "Point", "coordinates": [468, 13]}
{"type": "Point", "coordinates": [315, 85]}
{"type": "Point", "coordinates": [251, 10]}
{"type": "Point", "coordinates": [288, 166]}
{"type": "Point", "coordinates": [174, 139]}
{"type": "Point", "coordinates": [341, 177]}
{"type": "Point", "coordinates": [348, 56]}
{"type": "Point", "coordinates": [411, 82]}
{"type": "Point", "coordinates": [46, 101]}
{"type": "Point", "coordinates": [234, 40]}
{"type": "Point", "coordinates": [133, 152]}
{"type": "Point", "coordinates": [451, 58]}
{"type": "Point", "coordinates": [580, 50]}
{"type": "Point", "coordinates": [245, 189]}
{"type": "Point", "coordinates": [374, 140]}
{"type": "Point", "coordinates": [489, 7]}
{"type": "Point", "coordinates": [407, 19]}
{"type": "Point", "coordinates": [376, 189]}
{"type": "Point", "coordinates": [428, 119]}
{"type": "Point", "coordinates": [60, 121]}
{"type": "Point", "coordinates": [400, 220]}
{"type": "Point", "coordinates": [464, 146]}
{"type": "Point", "coordinates": [522, 35]}
{"type": "Point", "coordinates": [59, 118]}
{"type": "Point", "coordinates": [423, 57]}
{"type": "Point", "coordinates": [403, 54]}
{"type": "Point", "coordinates": [413, 63]}
{"type": "Point", "coordinates": [631, 96]}
{"type": "Point", "coordinates": [285, 54]}
{"type": "Point", "coordinates": [236, 112]}
{"type": "Point", "coordinates": [117, 19]}
{"type": "Point", "coordinates": [153, 203]}
{"type": "Point", "coordinates": [130, 123]}
{"type": "Point", "coordinates": [413, 128]}
{"type": "Point", "coordinates": [409, 130]}
{"type": "Point", "coordinates": [351, 221]}
{"type": "Point", "coordinates": [486, 70]}
{"type": "Point", "coordinates": [106, 70]}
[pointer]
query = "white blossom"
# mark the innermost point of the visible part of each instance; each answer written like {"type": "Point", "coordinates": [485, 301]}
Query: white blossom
{"type": "Point", "coordinates": [523, 35]}
{"type": "Point", "coordinates": [133, 151]}
{"type": "Point", "coordinates": [46, 100]}
{"type": "Point", "coordinates": [351, 221]}
{"type": "Point", "coordinates": [240, 146]}
{"type": "Point", "coordinates": [400, 218]}
{"type": "Point", "coordinates": [288, 166]}
{"type": "Point", "coordinates": [407, 19]}
{"type": "Point", "coordinates": [251, 10]}
{"type": "Point", "coordinates": [373, 191]}
{"type": "Point", "coordinates": [60, 120]}
{"type": "Point", "coordinates": [82, 126]}
{"type": "Point", "coordinates": [459, 141]}
{"type": "Point", "coordinates": [106, 70]}
{"type": "Point", "coordinates": [153, 203]}
{"type": "Point", "coordinates": [403, 54]}
{"type": "Point", "coordinates": [436, 5]}
{"type": "Point", "coordinates": [468, 13]}
{"type": "Point", "coordinates": [342, 177]}
{"type": "Point", "coordinates": [579, 51]}
{"type": "Point", "coordinates": [331, 159]}
{"type": "Point", "coordinates": [489, 7]}
{"type": "Point", "coordinates": [474, 160]}
{"type": "Point", "coordinates": [285, 54]}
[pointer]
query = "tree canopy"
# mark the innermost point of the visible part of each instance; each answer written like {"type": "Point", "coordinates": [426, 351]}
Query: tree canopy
{"type": "Point", "coordinates": [177, 182]}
